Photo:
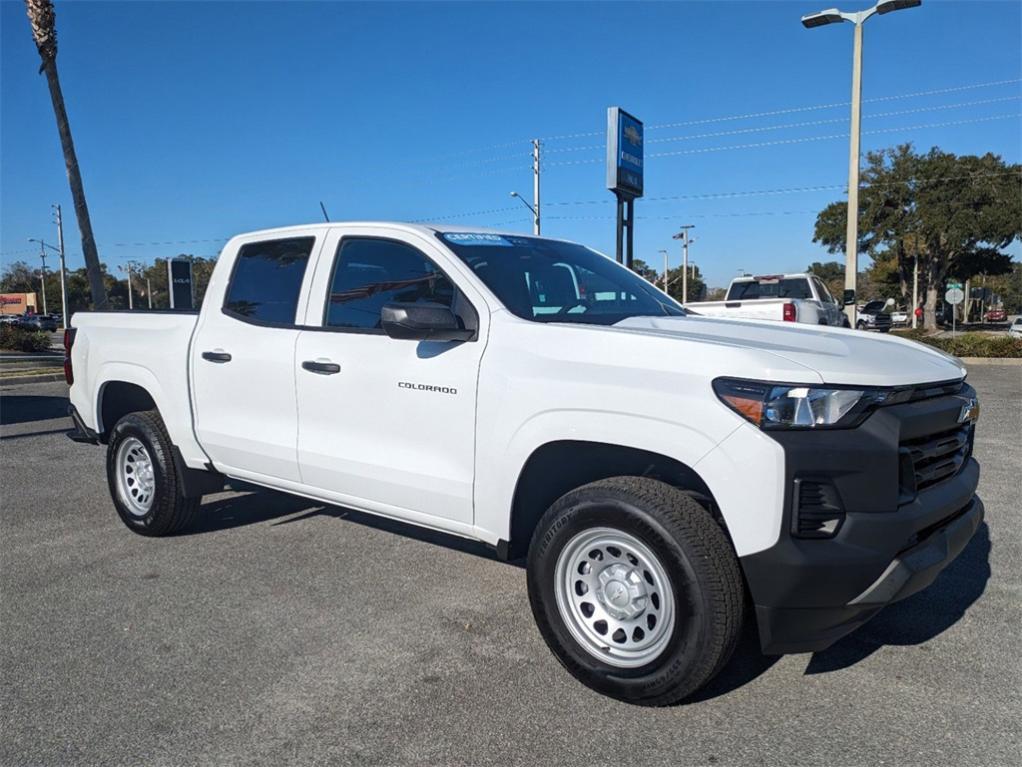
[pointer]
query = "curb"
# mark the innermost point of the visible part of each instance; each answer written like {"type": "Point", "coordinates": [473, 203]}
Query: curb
{"type": "Point", "coordinates": [6, 381]}
{"type": "Point", "coordinates": [995, 361]}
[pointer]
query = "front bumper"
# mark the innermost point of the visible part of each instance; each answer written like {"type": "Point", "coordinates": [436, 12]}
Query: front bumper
{"type": "Point", "coordinates": [810, 592]}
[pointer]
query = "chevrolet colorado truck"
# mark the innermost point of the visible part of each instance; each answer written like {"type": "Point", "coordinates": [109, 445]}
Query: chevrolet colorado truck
{"type": "Point", "coordinates": [666, 477]}
{"type": "Point", "coordinates": [780, 297]}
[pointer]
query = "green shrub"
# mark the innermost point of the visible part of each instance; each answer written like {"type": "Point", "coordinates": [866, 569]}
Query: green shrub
{"type": "Point", "coordinates": [970, 344]}
{"type": "Point", "coordinates": [22, 340]}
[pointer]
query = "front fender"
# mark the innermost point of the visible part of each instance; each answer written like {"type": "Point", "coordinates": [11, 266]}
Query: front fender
{"type": "Point", "coordinates": [498, 471]}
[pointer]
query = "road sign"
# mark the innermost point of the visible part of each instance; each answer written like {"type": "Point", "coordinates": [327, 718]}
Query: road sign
{"type": "Point", "coordinates": [954, 296]}
{"type": "Point", "coordinates": [624, 153]}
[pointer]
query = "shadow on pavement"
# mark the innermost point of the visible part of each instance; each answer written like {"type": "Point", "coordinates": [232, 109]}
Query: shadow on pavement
{"type": "Point", "coordinates": [24, 408]}
{"type": "Point", "coordinates": [265, 505]}
{"type": "Point", "coordinates": [922, 616]}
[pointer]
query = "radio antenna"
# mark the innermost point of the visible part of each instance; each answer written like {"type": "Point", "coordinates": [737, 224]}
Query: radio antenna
{"type": "Point", "coordinates": [322, 207]}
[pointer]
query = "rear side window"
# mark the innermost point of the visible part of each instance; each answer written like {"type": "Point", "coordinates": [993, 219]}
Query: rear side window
{"type": "Point", "coordinates": [267, 280]}
{"type": "Point", "coordinates": [369, 273]}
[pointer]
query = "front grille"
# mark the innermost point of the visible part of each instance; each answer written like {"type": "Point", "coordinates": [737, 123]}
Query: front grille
{"type": "Point", "coordinates": [882, 321]}
{"type": "Point", "coordinates": [926, 461]}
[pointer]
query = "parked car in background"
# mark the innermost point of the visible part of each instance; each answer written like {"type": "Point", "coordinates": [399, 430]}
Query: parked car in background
{"type": "Point", "coordinates": [782, 297]}
{"type": "Point", "coordinates": [874, 316]}
{"type": "Point", "coordinates": [44, 322]}
{"type": "Point", "coordinates": [997, 314]}
{"type": "Point", "coordinates": [1015, 329]}
{"type": "Point", "coordinates": [8, 319]}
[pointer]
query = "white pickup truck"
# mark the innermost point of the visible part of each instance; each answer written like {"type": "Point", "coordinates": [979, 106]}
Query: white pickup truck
{"type": "Point", "coordinates": [667, 477]}
{"type": "Point", "coordinates": [779, 297]}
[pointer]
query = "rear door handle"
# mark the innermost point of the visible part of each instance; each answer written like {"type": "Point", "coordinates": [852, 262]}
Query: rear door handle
{"type": "Point", "coordinates": [219, 356]}
{"type": "Point", "coordinates": [323, 368]}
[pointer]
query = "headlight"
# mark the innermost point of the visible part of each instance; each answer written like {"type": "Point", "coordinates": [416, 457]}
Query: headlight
{"type": "Point", "coordinates": [784, 406]}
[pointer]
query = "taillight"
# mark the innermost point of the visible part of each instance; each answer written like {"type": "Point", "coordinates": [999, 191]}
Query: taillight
{"type": "Point", "coordinates": [69, 339]}
{"type": "Point", "coordinates": [789, 313]}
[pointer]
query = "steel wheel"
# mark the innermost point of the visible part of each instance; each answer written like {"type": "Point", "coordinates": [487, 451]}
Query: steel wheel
{"type": "Point", "coordinates": [136, 479]}
{"type": "Point", "coordinates": [615, 597]}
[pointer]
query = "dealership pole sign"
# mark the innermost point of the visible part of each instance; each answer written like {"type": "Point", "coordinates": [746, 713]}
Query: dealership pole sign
{"type": "Point", "coordinates": [624, 174]}
{"type": "Point", "coordinates": [179, 278]}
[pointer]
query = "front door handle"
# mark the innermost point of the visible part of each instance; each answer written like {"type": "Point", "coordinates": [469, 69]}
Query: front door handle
{"type": "Point", "coordinates": [323, 368]}
{"type": "Point", "coordinates": [217, 356]}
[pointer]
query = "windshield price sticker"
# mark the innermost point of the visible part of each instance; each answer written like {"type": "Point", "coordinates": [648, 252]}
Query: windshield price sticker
{"type": "Point", "coordinates": [477, 238]}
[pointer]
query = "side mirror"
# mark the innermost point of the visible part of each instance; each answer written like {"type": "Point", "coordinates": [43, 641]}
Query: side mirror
{"type": "Point", "coordinates": [423, 322]}
{"type": "Point", "coordinates": [849, 297]}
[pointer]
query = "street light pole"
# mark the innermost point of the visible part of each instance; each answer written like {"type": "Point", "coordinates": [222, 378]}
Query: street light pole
{"type": "Point", "coordinates": [665, 269]}
{"type": "Point", "coordinates": [683, 236]}
{"type": "Point", "coordinates": [42, 280]}
{"type": "Point", "coordinates": [834, 16]}
{"type": "Point", "coordinates": [534, 211]}
{"type": "Point", "coordinates": [852, 228]}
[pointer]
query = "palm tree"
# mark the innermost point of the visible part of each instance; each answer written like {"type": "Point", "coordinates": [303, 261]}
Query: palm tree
{"type": "Point", "coordinates": [44, 30]}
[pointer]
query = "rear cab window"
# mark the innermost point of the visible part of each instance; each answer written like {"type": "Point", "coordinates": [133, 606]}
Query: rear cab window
{"type": "Point", "coordinates": [780, 287]}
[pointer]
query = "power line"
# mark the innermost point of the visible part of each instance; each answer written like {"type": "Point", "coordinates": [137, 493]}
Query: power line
{"type": "Point", "coordinates": [816, 107]}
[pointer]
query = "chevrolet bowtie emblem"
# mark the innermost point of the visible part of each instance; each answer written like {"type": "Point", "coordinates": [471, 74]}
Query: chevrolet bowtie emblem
{"type": "Point", "coordinates": [970, 411]}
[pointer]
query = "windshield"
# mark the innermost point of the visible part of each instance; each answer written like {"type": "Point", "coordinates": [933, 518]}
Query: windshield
{"type": "Point", "coordinates": [797, 287]}
{"type": "Point", "coordinates": [550, 281]}
{"type": "Point", "coordinates": [874, 307]}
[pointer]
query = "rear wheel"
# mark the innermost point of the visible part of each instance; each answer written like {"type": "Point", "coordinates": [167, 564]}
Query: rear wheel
{"type": "Point", "coordinates": [143, 479]}
{"type": "Point", "coordinates": [635, 589]}
{"type": "Point", "coordinates": [860, 325]}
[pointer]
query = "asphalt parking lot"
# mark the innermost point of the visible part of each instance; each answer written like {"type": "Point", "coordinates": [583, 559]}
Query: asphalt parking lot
{"type": "Point", "coordinates": [279, 631]}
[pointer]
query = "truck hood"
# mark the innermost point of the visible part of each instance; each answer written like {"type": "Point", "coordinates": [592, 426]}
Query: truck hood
{"type": "Point", "coordinates": [837, 355]}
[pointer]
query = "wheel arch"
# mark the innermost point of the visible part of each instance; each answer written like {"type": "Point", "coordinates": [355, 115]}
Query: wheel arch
{"type": "Point", "coordinates": [556, 467]}
{"type": "Point", "coordinates": [117, 398]}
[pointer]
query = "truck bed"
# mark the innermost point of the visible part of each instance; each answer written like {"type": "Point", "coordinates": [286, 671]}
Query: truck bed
{"type": "Point", "coordinates": [147, 348]}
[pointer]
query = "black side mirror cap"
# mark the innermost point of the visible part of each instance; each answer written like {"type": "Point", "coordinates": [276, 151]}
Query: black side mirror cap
{"type": "Point", "coordinates": [849, 297]}
{"type": "Point", "coordinates": [423, 322]}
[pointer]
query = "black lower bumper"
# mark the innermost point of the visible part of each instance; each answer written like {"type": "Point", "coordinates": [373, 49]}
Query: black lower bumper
{"type": "Point", "coordinates": [809, 629]}
{"type": "Point", "coordinates": [871, 515]}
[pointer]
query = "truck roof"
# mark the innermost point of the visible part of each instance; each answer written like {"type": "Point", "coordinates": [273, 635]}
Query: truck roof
{"type": "Point", "coordinates": [421, 227]}
{"type": "Point", "coordinates": [760, 277]}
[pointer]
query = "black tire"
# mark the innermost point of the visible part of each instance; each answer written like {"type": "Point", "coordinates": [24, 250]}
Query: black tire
{"type": "Point", "coordinates": [170, 511]}
{"type": "Point", "coordinates": [845, 323]}
{"type": "Point", "coordinates": [698, 559]}
{"type": "Point", "coordinates": [860, 325]}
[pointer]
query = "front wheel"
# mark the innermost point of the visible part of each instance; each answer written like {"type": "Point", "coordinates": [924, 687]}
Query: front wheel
{"type": "Point", "coordinates": [635, 589]}
{"type": "Point", "coordinates": [143, 479]}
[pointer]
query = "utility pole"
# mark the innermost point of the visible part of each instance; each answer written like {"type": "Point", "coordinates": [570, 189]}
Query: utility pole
{"type": "Point", "coordinates": [535, 187]}
{"type": "Point", "coordinates": [683, 236]}
{"type": "Point", "coordinates": [42, 281]}
{"type": "Point", "coordinates": [665, 269]}
{"type": "Point", "coordinates": [149, 292]}
{"type": "Point", "coordinates": [63, 266]}
{"type": "Point", "coordinates": [915, 291]}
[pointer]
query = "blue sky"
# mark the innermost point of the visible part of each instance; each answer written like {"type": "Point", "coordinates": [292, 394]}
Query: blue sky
{"type": "Point", "coordinates": [195, 121]}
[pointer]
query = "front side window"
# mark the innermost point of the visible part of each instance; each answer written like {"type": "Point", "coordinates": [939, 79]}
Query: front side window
{"type": "Point", "coordinates": [267, 280]}
{"type": "Point", "coordinates": [551, 281]}
{"type": "Point", "coordinates": [369, 273]}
